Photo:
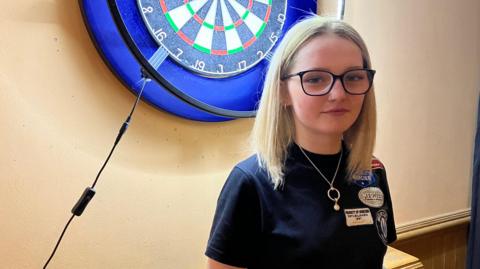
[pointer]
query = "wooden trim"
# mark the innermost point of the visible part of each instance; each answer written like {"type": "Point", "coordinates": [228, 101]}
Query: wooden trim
{"type": "Point", "coordinates": [428, 225]}
{"type": "Point", "coordinates": [416, 265]}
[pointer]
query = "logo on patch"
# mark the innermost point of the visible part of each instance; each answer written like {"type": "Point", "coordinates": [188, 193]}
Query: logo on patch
{"type": "Point", "coordinates": [381, 224]}
{"type": "Point", "coordinates": [364, 179]}
{"type": "Point", "coordinates": [371, 196]}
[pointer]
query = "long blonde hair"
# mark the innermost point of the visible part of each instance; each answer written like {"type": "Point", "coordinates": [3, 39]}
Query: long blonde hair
{"type": "Point", "coordinates": [274, 128]}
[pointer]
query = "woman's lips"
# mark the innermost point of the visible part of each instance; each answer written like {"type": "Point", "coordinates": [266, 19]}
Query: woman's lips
{"type": "Point", "coordinates": [336, 111]}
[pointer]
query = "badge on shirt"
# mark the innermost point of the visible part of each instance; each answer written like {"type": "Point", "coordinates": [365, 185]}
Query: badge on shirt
{"type": "Point", "coordinates": [381, 224]}
{"type": "Point", "coordinates": [358, 216]}
{"type": "Point", "coordinates": [364, 179]}
{"type": "Point", "coordinates": [371, 196]}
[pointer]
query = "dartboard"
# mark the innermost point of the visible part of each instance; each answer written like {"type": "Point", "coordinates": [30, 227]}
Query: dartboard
{"type": "Point", "coordinates": [203, 59]}
{"type": "Point", "coordinates": [215, 38]}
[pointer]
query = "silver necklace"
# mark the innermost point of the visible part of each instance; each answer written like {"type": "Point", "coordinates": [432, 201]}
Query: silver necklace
{"type": "Point", "coordinates": [332, 193]}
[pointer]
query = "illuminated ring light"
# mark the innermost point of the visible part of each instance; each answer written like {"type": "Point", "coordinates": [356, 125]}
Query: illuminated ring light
{"type": "Point", "coordinates": [128, 44]}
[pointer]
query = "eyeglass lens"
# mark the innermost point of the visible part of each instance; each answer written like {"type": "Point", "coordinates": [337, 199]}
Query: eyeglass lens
{"type": "Point", "coordinates": [319, 82]}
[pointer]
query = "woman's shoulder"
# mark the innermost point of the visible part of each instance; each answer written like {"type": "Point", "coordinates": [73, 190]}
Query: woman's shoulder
{"type": "Point", "coordinates": [250, 172]}
{"type": "Point", "coordinates": [376, 175]}
{"type": "Point", "coordinates": [251, 166]}
{"type": "Point", "coordinates": [378, 170]}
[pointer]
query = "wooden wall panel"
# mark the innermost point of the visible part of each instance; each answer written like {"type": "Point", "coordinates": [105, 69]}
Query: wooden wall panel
{"type": "Point", "coordinates": [441, 249]}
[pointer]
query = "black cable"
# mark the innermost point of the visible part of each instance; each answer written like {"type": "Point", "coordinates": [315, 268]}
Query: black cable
{"type": "Point", "coordinates": [58, 242]}
{"type": "Point", "coordinates": [121, 132]}
{"type": "Point", "coordinates": [89, 192]}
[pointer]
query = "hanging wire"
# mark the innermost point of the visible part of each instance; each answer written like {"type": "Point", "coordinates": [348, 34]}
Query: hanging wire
{"type": "Point", "coordinates": [89, 192]}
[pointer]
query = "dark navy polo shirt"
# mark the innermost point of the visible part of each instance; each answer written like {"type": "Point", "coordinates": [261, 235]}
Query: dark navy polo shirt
{"type": "Point", "coordinates": [296, 226]}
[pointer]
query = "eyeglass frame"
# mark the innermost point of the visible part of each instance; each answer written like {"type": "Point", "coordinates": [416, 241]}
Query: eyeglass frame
{"type": "Point", "coordinates": [335, 77]}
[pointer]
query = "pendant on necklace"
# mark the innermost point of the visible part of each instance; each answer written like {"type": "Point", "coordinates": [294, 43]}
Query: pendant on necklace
{"type": "Point", "coordinates": [335, 197]}
{"type": "Point", "coordinates": [336, 207]}
{"type": "Point", "coordinates": [332, 193]}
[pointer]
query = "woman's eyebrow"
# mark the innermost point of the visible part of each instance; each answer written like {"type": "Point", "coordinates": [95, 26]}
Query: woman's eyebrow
{"type": "Point", "coordinates": [328, 69]}
{"type": "Point", "coordinates": [353, 67]}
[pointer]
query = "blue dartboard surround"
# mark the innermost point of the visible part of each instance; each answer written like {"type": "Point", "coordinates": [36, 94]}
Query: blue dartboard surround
{"type": "Point", "coordinates": [237, 95]}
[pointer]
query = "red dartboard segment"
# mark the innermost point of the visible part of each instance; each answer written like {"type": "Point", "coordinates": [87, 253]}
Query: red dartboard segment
{"type": "Point", "coordinates": [198, 19]}
{"type": "Point", "coordinates": [219, 52]}
{"type": "Point", "coordinates": [185, 38]}
{"type": "Point", "coordinates": [267, 16]}
{"type": "Point", "coordinates": [249, 42]}
{"type": "Point", "coordinates": [219, 28]}
{"type": "Point", "coordinates": [250, 4]}
{"type": "Point", "coordinates": [164, 7]}
{"type": "Point", "coordinates": [238, 23]}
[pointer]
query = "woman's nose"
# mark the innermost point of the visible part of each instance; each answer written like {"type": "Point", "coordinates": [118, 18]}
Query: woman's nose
{"type": "Point", "coordinates": [338, 91]}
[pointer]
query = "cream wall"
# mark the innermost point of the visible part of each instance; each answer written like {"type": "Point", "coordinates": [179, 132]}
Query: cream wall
{"type": "Point", "coordinates": [61, 108]}
{"type": "Point", "coordinates": [428, 84]}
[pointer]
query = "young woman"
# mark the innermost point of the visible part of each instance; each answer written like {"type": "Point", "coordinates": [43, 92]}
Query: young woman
{"type": "Point", "coordinates": [312, 196]}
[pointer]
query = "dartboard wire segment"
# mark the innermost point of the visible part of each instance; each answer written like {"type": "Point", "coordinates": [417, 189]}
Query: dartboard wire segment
{"type": "Point", "coordinates": [215, 38]}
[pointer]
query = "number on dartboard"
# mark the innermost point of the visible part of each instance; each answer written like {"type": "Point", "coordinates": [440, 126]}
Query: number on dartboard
{"type": "Point", "coordinates": [221, 37]}
{"type": "Point", "coordinates": [180, 52]}
{"type": "Point", "coordinates": [273, 38]}
{"type": "Point", "coordinates": [242, 65]}
{"type": "Point", "coordinates": [147, 9]}
{"type": "Point", "coordinates": [200, 65]}
{"type": "Point", "coordinates": [160, 34]}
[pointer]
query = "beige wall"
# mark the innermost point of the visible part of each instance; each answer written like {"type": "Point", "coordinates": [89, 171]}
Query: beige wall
{"type": "Point", "coordinates": [61, 108]}
{"type": "Point", "coordinates": [428, 57]}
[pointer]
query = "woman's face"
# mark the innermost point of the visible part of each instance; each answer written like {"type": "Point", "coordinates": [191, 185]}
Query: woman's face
{"type": "Point", "coordinates": [330, 114]}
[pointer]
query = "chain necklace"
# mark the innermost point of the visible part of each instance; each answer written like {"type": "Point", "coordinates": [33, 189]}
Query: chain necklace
{"type": "Point", "coordinates": [332, 193]}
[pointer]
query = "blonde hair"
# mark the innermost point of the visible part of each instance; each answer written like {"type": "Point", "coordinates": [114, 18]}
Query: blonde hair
{"type": "Point", "coordinates": [274, 128]}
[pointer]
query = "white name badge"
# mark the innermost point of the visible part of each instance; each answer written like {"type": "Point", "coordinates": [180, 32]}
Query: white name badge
{"type": "Point", "coordinates": [358, 216]}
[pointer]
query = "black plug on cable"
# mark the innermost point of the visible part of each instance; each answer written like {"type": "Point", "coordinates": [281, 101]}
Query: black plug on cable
{"type": "Point", "coordinates": [82, 203]}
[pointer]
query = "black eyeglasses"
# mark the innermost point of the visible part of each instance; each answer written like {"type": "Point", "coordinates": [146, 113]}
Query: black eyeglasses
{"type": "Point", "coordinates": [320, 82]}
